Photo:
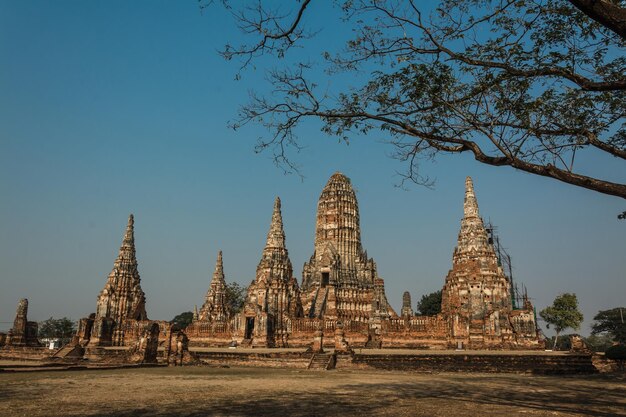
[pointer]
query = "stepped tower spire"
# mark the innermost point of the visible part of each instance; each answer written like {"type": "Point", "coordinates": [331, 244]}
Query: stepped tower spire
{"type": "Point", "coordinates": [339, 257]}
{"type": "Point", "coordinates": [407, 310]}
{"type": "Point", "coordinates": [274, 295]}
{"type": "Point", "coordinates": [23, 332]}
{"type": "Point", "coordinates": [122, 297]}
{"type": "Point", "coordinates": [470, 205]}
{"type": "Point", "coordinates": [276, 234]}
{"type": "Point", "coordinates": [218, 274]}
{"type": "Point", "coordinates": [275, 262]}
{"type": "Point", "coordinates": [214, 307]}
{"type": "Point", "coordinates": [340, 280]}
{"type": "Point", "coordinates": [126, 258]}
{"type": "Point", "coordinates": [473, 235]}
{"type": "Point", "coordinates": [476, 282]}
{"type": "Point", "coordinates": [338, 221]}
{"type": "Point", "coordinates": [129, 235]}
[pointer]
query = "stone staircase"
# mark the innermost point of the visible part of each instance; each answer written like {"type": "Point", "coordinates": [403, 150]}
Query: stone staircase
{"type": "Point", "coordinates": [476, 333]}
{"type": "Point", "coordinates": [69, 351]}
{"type": "Point", "coordinates": [320, 302]}
{"type": "Point", "coordinates": [373, 340]}
{"type": "Point", "coordinates": [246, 343]}
{"type": "Point", "coordinates": [322, 361]}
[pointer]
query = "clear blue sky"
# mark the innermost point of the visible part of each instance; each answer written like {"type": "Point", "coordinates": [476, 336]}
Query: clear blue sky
{"type": "Point", "coordinates": [111, 108]}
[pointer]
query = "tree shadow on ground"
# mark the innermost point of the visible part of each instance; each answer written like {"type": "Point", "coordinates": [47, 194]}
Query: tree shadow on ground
{"type": "Point", "coordinates": [485, 395]}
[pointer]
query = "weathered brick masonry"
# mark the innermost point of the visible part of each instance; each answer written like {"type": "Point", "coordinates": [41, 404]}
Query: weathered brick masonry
{"type": "Point", "coordinates": [340, 284]}
{"type": "Point", "coordinates": [341, 294]}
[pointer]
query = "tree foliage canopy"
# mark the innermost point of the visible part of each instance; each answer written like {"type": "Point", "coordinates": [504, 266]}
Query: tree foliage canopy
{"type": "Point", "coordinates": [563, 313]}
{"type": "Point", "coordinates": [235, 297]}
{"type": "Point", "coordinates": [52, 328]}
{"type": "Point", "coordinates": [612, 322]}
{"type": "Point", "coordinates": [182, 320]}
{"type": "Point", "coordinates": [598, 342]}
{"type": "Point", "coordinates": [430, 304]}
{"type": "Point", "coordinates": [530, 84]}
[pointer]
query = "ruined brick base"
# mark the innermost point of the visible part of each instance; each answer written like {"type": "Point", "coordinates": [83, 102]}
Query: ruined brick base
{"type": "Point", "coordinates": [474, 362]}
{"type": "Point", "coordinates": [396, 333]}
{"type": "Point", "coordinates": [25, 353]}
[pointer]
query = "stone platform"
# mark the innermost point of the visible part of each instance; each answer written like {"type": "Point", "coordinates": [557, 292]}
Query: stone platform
{"type": "Point", "coordinates": [535, 362]}
{"type": "Point", "coordinates": [403, 360]}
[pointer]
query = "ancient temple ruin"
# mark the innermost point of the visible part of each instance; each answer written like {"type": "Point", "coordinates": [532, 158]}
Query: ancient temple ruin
{"type": "Point", "coordinates": [122, 298]}
{"type": "Point", "coordinates": [340, 281]}
{"type": "Point", "coordinates": [407, 308]}
{"type": "Point", "coordinates": [476, 283]}
{"type": "Point", "coordinates": [476, 296]}
{"type": "Point", "coordinates": [273, 297]}
{"type": "Point", "coordinates": [24, 332]}
{"type": "Point", "coordinates": [120, 318]}
{"type": "Point", "coordinates": [215, 308]}
{"type": "Point", "coordinates": [341, 292]}
{"type": "Point", "coordinates": [210, 326]}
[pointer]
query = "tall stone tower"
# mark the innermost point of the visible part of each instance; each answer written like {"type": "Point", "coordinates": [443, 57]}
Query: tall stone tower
{"type": "Point", "coordinates": [24, 332]}
{"type": "Point", "coordinates": [340, 281]}
{"type": "Point", "coordinates": [476, 294]}
{"type": "Point", "coordinates": [275, 263]}
{"type": "Point", "coordinates": [121, 298]}
{"type": "Point", "coordinates": [273, 298]}
{"type": "Point", "coordinates": [407, 309]}
{"type": "Point", "coordinates": [215, 307]}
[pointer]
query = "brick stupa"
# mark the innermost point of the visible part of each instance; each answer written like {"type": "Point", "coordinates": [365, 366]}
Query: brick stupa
{"type": "Point", "coordinates": [340, 281]}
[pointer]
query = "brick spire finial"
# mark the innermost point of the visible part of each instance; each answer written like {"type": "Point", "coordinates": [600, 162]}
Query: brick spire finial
{"type": "Point", "coordinates": [472, 234]}
{"type": "Point", "coordinates": [275, 263]}
{"type": "Point", "coordinates": [126, 258]}
{"type": "Point", "coordinates": [218, 274]}
{"type": "Point", "coordinates": [276, 234]}
{"type": "Point", "coordinates": [470, 205]}
{"type": "Point", "coordinates": [127, 249]}
{"type": "Point", "coordinates": [130, 226]}
{"type": "Point", "coordinates": [214, 307]}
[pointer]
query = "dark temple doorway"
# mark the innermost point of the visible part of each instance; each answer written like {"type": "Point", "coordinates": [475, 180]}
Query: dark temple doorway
{"type": "Point", "coordinates": [249, 327]}
{"type": "Point", "coordinates": [325, 278]}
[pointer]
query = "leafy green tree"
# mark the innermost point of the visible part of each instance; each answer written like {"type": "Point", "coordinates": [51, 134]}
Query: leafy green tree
{"type": "Point", "coordinates": [599, 342]}
{"type": "Point", "coordinates": [182, 320]}
{"type": "Point", "coordinates": [430, 304]}
{"type": "Point", "coordinates": [528, 84]}
{"type": "Point", "coordinates": [235, 297]}
{"type": "Point", "coordinates": [612, 322]}
{"type": "Point", "coordinates": [562, 314]}
{"type": "Point", "coordinates": [62, 329]}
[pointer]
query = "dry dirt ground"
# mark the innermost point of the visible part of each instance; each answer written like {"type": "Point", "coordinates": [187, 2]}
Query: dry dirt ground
{"type": "Point", "coordinates": [200, 391]}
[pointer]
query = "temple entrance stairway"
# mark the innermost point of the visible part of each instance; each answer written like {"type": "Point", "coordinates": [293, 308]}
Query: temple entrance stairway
{"type": "Point", "coordinates": [320, 303]}
{"type": "Point", "coordinates": [476, 333]}
{"type": "Point", "coordinates": [322, 361]}
{"type": "Point", "coordinates": [69, 350]}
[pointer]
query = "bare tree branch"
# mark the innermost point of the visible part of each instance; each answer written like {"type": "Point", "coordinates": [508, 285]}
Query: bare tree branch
{"type": "Point", "coordinates": [530, 84]}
